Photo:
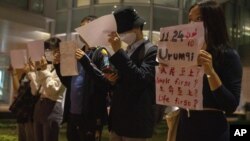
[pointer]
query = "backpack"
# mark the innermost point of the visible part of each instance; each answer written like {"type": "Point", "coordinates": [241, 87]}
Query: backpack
{"type": "Point", "coordinates": [107, 68]}
{"type": "Point", "coordinates": [143, 52]}
{"type": "Point", "coordinates": [23, 106]}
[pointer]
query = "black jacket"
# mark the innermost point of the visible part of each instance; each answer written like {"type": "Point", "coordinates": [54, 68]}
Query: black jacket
{"type": "Point", "coordinates": [95, 89]}
{"type": "Point", "coordinates": [211, 125]}
{"type": "Point", "coordinates": [133, 98]}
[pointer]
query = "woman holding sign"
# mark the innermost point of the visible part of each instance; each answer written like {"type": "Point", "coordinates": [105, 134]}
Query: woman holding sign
{"type": "Point", "coordinates": [221, 82]}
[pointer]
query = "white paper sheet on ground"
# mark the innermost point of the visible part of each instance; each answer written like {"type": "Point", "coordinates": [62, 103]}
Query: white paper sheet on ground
{"type": "Point", "coordinates": [68, 62]}
{"type": "Point", "coordinates": [179, 45]}
{"type": "Point", "coordinates": [96, 32]}
{"type": "Point", "coordinates": [36, 50]}
{"type": "Point", "coordinates": [18, 58]}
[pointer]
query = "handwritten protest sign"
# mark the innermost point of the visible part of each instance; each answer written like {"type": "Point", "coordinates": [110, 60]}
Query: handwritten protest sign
{"type": "Point", "coordinates": [36, 50]}
{"type": "Point", "coordinates": [18, 58]}
{"type": "Point", "coordinates": [179, 86]}
{"type": "Point", "coordinates": [180, 82]}
{"type": "Point", "coordinates": [179, 45]}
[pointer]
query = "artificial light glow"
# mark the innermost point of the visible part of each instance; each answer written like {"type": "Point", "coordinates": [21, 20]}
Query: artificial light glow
{"type": "Point", "coordinates": [246, 28]}
{"type": "Point", "coordinates": [43, 34]}
{"type": "Point", "coordinates": [247, 33]}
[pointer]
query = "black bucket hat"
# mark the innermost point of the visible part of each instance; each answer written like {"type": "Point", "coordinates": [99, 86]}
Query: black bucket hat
{"type": "Point", "coordinates": [127, 18]}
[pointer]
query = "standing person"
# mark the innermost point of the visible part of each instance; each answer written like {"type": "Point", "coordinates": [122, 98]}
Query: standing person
{"type": "Point", "coordinates": [22, 85]}
{"type": "Point", "coordinates": [131, 113]}
{"type": "Point", "coordinates": [48, 110]}
{"type": "Point", "coordinates": [85, 105]}
{"type": "Point", "coordinates": [221, 82]}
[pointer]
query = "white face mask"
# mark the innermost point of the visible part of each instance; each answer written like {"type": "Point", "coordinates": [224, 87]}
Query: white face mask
{"type": "Point", "coordinates": [128, 38]}
{"type": "Point", "coordinates": [49, 55]}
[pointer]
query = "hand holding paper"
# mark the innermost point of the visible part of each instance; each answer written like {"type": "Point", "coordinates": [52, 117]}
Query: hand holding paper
{"type": "Point", "coordinates": [205, 60]}
{"type": "Point", "coordinates": [115, 41]}
{"type": "Point", "coordinates": [79, 54]}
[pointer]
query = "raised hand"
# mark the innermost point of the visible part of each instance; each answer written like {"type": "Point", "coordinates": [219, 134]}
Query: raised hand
{"type": "Point", "coordinates": [115, 41]}
{"type": "Point", "coordinates": [79, 54]}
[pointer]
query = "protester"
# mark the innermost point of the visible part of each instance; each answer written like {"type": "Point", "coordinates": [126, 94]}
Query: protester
{"type": "Point", "coordinates": [48, 110]}
{"type": "Point", "coordinates": [85, 106]}
{"type": "Point", "coordinates": [21, 85]}
{"type": "Point", "coordinates": [131, 114]}
{"type": "Point", "coordinates": [221, 82]}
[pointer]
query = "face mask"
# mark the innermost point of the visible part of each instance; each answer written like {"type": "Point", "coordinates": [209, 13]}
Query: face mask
{"type": "Point", "coordinates": [49, 55]}
{"type": "Point", "coordinates": [128, 38]}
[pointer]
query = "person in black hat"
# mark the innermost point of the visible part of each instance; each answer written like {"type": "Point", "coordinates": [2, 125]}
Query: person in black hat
{"type": "Point", "coordinates": [131, 113]}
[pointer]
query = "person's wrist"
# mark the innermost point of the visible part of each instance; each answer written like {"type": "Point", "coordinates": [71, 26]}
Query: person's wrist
{"type": "Point", "coordinates": [13, 72]}
{"type": "Point", "coordinates": [116, 49]}
{"type": "Point", "coordinates": [211, 73]}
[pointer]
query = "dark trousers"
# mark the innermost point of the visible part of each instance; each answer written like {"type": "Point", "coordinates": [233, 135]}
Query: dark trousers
{"type": "Point", "coordinates": [25, 131]}
{"type": "Point", "coordinates": [81, 129]}
{"type": "Point", "coordinates": [47, 119]}
{"type": "Point", "coordinates": [206, 125]}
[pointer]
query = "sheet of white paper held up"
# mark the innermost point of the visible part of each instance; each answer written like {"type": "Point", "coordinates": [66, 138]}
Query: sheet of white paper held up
{"type": "Point", "coordinates": [68, 62]}
{"type": "Point", "coordinates": [96, 32]}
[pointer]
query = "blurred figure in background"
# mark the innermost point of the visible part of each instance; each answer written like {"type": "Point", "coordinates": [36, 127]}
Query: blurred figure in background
{"type": "Point", "coordinates": [21, 85]}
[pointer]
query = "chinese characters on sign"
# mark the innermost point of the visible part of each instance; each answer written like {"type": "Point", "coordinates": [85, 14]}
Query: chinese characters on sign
{"type": "Point", "coordinates": [179, 83]}
{"type": "Point", "coordinates": [179, 86]}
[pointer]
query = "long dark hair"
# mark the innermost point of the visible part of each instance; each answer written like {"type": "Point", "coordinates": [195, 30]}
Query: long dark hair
{"type": "Point", "coordinates": [216, 35]}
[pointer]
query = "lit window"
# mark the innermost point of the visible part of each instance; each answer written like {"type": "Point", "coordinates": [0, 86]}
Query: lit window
{"type": "Point", "coordinates": [107, 1]}
{"type": "Point", "coordinates": [137, 1]}
{"type": "Point", "coordinates": [4, 79]}
{"type": "Point", "coordinates": [83, 3]}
